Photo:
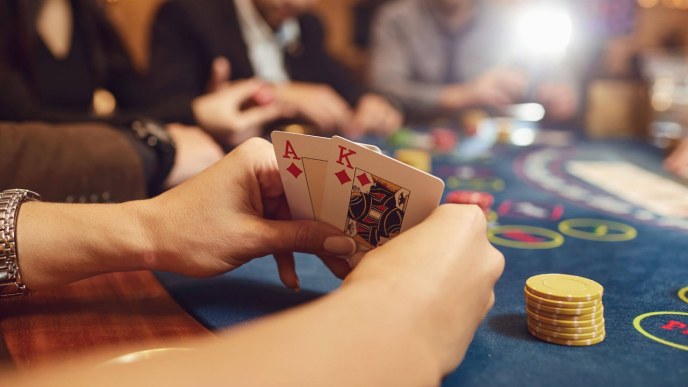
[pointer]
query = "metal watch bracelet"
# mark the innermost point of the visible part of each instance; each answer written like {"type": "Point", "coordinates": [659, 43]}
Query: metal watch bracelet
{"type": "Point", "coordinates": [10, 279]}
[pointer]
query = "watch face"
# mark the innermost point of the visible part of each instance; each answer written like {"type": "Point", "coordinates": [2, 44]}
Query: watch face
{"type": "Point", "coordinates": [152, 132]}
{"type": "Point", "coordinates": [159, 131]}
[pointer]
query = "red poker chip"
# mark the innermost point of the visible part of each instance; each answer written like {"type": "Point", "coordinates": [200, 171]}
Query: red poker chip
{"type": "Point", "coordinates": [483, 200]}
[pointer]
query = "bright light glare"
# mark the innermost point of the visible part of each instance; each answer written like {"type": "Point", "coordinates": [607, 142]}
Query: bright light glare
{"type": "Point", "coordinates": [523, 136]}
{"type": "Point", "coordinates": [544, 32]}
{"type": "Point", "coordinates": [527, 111]}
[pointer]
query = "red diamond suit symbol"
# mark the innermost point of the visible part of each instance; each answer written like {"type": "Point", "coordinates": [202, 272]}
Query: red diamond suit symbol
{"type": "Point", "coordinates": [294, 170]}
{"type": "Point", "coordinates": [343, 176]}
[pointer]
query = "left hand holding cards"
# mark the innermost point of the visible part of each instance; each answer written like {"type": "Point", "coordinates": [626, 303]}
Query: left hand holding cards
{"type": "Point", "coordinates": [245, 218]}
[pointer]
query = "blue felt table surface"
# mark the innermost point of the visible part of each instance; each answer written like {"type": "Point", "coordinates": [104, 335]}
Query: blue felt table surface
{"type": "Point", "coordinates": [639, 276]}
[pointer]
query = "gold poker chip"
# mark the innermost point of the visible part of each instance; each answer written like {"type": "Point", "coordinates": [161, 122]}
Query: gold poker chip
{"type": "Point", "coordinates": [570, 343]}
{"type": "Point", "coordinates": [565, 323]}
{"type": "Point", "coordinates": [567, 317]}
{"type": "Point", "coordinates": [558, 311]}
{"type": "Point", "coordinates": [559, 329]}
{"type": "Point", "coordinates": [560, 304]}
{"type": "Point", "coordinates": [565, 336]}
{"type": "Point", "coordinates": [564, 287]}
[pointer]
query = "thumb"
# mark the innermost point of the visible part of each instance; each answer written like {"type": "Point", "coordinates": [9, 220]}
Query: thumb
{"type": "Point", "coordinates": [306, 236]}
{"type": "Point", "coordinates": [220, 72]}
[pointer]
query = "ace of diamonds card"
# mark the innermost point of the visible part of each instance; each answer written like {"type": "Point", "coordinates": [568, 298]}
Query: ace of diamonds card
{"type": "Point", "coordinates": [302, 161]}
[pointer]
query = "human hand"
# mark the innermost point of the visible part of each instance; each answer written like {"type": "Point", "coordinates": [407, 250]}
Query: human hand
{"type": "Point", "coordinates": [221, 112]}
{"type": "Point", "coordinates": [374, 114]}
{"type": "Point", "coordinates": [220, 73]}
{"type": "Point", "coordinates": [496, 87]}
{"type": "Point", "coordinates": [317, 103]}
{"type": "Point", "coordinates": [446, 269]}
{"type": "Point", "coordinates": [677, 162]}
{"type": "Point", "coordinates": [196, 151]}
{"type": "Point", "coordinates": [560, 100]}
{"type": "Point", "coordinates": [231, 213]}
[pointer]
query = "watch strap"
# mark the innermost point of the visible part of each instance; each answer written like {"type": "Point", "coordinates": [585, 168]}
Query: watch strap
{"type": "Point", "coordinates": [10, 279]}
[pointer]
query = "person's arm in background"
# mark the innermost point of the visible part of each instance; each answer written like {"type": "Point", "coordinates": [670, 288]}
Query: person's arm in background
{"type": "Point", "coordinates": [392, 74]}
{"type": "Point", "coordinates": [71, 162]}
{"type": "Point", "coordinates": [397, 320]}
{"type": "Point", "coordinates": [390, 68]}
{"type": "Point", "coordinates": [187, 86]}
{"type": "Point", "coordinates": [367, 112]}
{"type": "Point", "coordinates": [677, 162]}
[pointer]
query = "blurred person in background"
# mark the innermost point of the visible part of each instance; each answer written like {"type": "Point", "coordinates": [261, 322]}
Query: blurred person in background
{"type": "Point", "coordinates": [277, 41]}
{"type": "Point", "coordinates": [55, 55]}
{"type": "Point", "coordinates": [440, 56]}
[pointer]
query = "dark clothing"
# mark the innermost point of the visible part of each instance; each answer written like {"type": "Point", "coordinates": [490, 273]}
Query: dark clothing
{"type": "Point", "coordinates": [189, 34]}
{"type": "Point", "coordinates": [37, 86]}
{"type": "Point", "coordinates": [34, 85]}
{"type": "Point", "coordinates": [70, 162]}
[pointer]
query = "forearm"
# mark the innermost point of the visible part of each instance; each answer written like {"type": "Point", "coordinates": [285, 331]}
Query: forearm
{"type": "Point", "coordinates": [457, 96]}
{"type": "Point", "coordinates": [62, 243]}
{"type": "Point", "coordinates": [359, 335]}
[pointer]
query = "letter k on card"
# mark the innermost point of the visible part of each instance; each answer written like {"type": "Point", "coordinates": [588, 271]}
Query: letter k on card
{"type": "Point", "coordinates": [372, 197]}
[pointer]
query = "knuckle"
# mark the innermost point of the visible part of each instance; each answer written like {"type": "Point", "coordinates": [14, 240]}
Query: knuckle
{"type": "Point", "coordinates": [499, 263]}
{"type": "Point", "coordinates": [491, 301]}
{"type": "Point", "coordinates": [255, 143]}
{"type": "Point", "coordinates": [303, 237]}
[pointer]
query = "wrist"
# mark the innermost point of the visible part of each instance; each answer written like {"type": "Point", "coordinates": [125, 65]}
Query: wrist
{"type": "Point", "coordinates": [111, 237]}
{"type": "Point", "coordinates": [160, 245]}
{"type": "Point", "coordinates": [451, 97]}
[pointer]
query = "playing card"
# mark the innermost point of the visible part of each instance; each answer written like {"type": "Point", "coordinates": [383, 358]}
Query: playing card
{"type": "Point", "coordinates": [372, 197]}
{"type": "Point", "coordinates": [302, 161]}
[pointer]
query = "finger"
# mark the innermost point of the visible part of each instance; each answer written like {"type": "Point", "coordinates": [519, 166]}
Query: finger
{"type": "Point", "coordinates": [243, 90]}
{"type": "Point", "coordinates": [370, 115]}
{"type": "Point", "coordinates": [278, 236]}
{"type": "Point", "coordinates": [338, 110]}
{"type": "Point", "coordinates": [259, 116]}
{"type": "Point", "coordinates": [338, 266]}
{"type": "Point", "coordinates": [393, 122]}
{"type": "Point", "coordinates": [286, 267]}
{"type": "Point", "coordinates": [360, 123]}
{"type": "Point", "coordinates": [220, 72]}
{"type": "Point", "coordinates": [265, 95]}
{"type": "Point", "coordinates": [265, 170]}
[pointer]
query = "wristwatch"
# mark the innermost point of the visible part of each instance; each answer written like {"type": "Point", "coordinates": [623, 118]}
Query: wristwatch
{"type": "Point", "coordinates": [154, 136]}
{"type": "Point", "coordinates": [10, 279]}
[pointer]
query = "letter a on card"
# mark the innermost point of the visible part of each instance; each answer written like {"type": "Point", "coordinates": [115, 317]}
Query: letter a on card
{"type": "Point", "coordinates": [302, 163]}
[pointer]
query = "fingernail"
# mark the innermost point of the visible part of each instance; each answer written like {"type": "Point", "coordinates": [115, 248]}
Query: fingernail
{"type": "Point", "coordinates": [339, 245]}
{"type": "Point", "coordinates": [298, 285]}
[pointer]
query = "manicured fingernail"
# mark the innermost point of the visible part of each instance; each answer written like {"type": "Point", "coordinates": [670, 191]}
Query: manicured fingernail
{"type": "Point", "coordinates": [339, 245]}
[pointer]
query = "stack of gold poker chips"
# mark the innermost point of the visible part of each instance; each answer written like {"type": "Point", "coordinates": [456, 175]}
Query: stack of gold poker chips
{"type": "Point", "coordinates": [565, 309]}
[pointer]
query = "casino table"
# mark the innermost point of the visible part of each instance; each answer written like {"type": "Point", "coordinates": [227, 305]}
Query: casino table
{"type": "Point", "coordinates": [547, 218]}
